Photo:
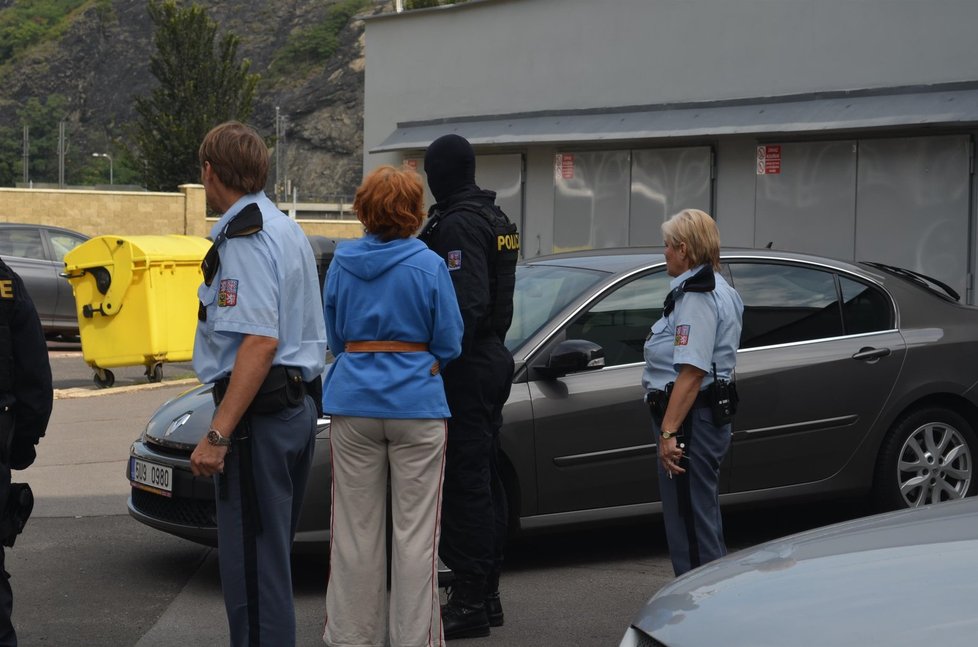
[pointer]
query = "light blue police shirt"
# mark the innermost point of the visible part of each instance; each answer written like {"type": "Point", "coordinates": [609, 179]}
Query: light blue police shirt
{"type": "Point", "coordinates": [703, 329]}
{"type": "Point", "coordinates": [266, 285]}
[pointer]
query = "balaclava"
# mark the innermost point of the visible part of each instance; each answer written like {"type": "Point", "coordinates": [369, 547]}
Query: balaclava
{"type": "Point", "coordinates": [449, 163]}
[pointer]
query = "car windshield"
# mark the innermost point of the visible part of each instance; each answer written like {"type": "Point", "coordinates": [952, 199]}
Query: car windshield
{"type": "Point", "coordinates": [541, 292]}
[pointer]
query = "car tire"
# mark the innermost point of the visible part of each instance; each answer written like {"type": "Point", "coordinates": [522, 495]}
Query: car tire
{"type": "Point", "coordinates": [928, 456]}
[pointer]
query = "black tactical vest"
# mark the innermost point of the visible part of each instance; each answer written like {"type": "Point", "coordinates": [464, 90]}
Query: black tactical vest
{"type": "Point", "coordinates": [502, 264]}
{"type": "Point", "coordinates": [6, 346]}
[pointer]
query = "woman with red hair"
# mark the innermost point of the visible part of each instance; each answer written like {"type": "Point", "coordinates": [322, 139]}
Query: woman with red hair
{"type": "Point", "coordinates": [392, 321]}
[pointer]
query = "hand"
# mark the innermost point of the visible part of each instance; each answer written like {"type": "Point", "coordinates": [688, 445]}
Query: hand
{"type": "Point", "coordinates": [669, 454]}
{"type": "Point", "coordinates": [207, 459]}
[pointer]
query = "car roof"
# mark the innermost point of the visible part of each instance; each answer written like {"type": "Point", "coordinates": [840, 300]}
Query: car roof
{"type": "Point", "coordinates": [7, 225]}
{"type": "Point", "coordinates": [624, 259]}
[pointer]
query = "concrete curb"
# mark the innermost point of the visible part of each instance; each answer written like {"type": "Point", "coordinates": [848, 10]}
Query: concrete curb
{"type": "Point", "coordinates": [80, 392]}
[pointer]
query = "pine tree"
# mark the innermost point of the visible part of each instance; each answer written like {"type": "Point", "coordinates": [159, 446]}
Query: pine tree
{"type": "Point", "coordinates": [201, 84]}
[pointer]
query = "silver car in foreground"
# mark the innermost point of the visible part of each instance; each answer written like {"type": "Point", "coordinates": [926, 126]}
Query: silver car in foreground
{"type": "Point", "coordinates": [855, 380]}
{"type": "Point", "coordinates": [907, 578]}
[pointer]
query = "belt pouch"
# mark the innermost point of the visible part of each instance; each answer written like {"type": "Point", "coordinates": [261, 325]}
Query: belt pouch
{"type": "Point", "coordinates": [273, 394]}
{"type": "Point", "coordinates": [283, 387]}
{"type": "Point", "coordinates": [722, 399]}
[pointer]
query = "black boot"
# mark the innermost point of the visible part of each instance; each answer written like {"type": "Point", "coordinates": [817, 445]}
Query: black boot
{"type": "Point", "coordinates": [465, 614]}
{"type": "Point", "coordinates": [494, 609]}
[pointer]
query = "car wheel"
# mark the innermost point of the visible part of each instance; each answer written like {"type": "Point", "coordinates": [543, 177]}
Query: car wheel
{"type": "Point", "coordinates": [928, 457]}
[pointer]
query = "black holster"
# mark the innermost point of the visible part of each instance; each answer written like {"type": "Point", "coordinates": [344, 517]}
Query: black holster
{"type": "Point", "coordinates": [20, 504]}
{"type": "Point", "coordinates": [283, 387]}
{"type": "Point", "coordinates": [6, 435]}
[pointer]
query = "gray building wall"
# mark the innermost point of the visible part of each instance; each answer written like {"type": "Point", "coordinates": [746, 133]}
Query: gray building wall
{"type": "Point", "coordinates": [509, 59]}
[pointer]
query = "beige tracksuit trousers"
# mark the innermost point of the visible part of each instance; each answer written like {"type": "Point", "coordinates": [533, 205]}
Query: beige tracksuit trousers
{"type": "Point", "coordinates": [356, 596]}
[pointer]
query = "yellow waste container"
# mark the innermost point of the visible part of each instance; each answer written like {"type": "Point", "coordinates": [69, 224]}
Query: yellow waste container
{"type": "Point", "coordinates": [136, 298]}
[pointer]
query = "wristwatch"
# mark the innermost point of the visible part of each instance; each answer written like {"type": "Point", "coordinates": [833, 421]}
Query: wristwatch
{"type": "Point", "coordinates": [214, 437]}
{"type": "Point", "coordinates": [669, 434]}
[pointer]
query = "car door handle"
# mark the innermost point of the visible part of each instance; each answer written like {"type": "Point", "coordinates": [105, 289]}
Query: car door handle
{"type": "Point", "coordinates": [871, 353]}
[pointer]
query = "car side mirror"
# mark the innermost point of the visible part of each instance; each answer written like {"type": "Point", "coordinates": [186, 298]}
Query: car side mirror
{"type": "Point", "coordinates": [572, 356]}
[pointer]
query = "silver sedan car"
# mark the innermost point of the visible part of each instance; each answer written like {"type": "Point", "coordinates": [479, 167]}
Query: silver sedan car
{"type": "Point", "coordinates": [905, 578]}
{"type": "Point", "coordinates": [855, 380]}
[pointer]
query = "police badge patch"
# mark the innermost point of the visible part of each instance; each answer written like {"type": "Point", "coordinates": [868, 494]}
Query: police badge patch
{"type": "Point", "coordinates": [454, 259]}
{"type": "Point", "coordinates": [682, 335]}
{"type": "Point", "coordinates": [228, 294]}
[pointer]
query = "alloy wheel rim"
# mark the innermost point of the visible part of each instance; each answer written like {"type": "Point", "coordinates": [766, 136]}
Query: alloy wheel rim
{"type": "Point", "coordinates": [935, 464]}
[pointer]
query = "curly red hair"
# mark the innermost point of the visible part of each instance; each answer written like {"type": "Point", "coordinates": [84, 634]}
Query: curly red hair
{"type": "Point", "coordinates": [390, 202]}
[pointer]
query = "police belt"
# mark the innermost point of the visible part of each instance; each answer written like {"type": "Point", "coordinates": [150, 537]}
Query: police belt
{"type": "Point", "coordinates": [283, 387]}
{"type": "Point", "coordinates": [658, 401]}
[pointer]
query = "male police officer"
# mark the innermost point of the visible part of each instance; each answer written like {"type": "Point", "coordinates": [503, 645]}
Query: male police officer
{"type": "Point", "coordinates": [25, 405]}
{"type": "Point", "coordinates": [480, 246]}
{"type": "Point", "coordinates": [261, 339]}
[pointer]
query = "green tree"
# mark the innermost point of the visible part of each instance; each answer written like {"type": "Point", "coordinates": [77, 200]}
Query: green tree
{"type": "Point", "coordinates": [315, 44]}
{"type": "Point", "coordinates": [201, 84]}
{"type": "Point", "coordinates": [42, 118]}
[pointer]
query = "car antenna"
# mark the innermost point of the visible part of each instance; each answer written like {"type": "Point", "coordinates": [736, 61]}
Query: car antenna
{"type": "Point", "coordinates": [768, 246]}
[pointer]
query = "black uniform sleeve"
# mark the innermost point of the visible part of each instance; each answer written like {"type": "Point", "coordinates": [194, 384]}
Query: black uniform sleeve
{"type": "Point", "coordinates": [33, 389]}
{"type": "Point", "coordinates": [463, 239]}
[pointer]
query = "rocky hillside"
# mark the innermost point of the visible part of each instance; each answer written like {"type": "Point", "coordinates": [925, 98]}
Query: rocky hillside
{"type": "Point", "coordinates": [98, 61]}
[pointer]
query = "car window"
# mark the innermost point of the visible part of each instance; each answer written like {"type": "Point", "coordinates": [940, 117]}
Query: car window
{"type": "Point", "coordinates": [541, 292]}
{"type": "Point", "coordinates": [63, 243]}
{"type": "Point", "coordinates": [864, 307]}
{"type": "Point", "coordinates": [620, 321]}
{"type": "Point", "coordinates": [786, 303]}
{"type": "Point", "coordinates": [21, 241]}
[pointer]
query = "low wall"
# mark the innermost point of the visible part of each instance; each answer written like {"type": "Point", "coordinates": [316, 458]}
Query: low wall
{"type": "Point", "coordinates": [133, 213]}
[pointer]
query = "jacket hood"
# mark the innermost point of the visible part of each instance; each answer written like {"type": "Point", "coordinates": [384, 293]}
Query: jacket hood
{"type": "Point", "coordinates": [369, 257]}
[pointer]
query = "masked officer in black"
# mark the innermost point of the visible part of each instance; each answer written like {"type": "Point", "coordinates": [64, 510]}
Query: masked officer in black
{"type": "Point", "coordinates": [480, 246]}
{"type": "Point", "coordinates": [25, 405]}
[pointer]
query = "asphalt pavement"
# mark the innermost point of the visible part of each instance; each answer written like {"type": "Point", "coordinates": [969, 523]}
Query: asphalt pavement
{"type": "Point", "coordinates": [85, 573]}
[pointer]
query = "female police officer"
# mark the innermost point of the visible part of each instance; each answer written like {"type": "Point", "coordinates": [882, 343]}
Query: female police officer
{"type": "Point", "coordinates": [689, 359]}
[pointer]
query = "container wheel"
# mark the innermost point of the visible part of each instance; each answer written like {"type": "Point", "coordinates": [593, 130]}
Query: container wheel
{"type": "Point", "coordinates": [154, 373]}
{"type": "Point", "coordinates": [104, 378]}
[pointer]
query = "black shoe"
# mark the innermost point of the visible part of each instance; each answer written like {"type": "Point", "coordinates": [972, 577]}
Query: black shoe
{"type": "Point", "coordinates": [494, 609]}
{"type": "Point", "coordinates": [460, 620]}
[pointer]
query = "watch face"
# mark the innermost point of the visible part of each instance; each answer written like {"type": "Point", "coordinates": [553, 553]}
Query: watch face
{"type": "Point", "coordinates": [215, 438]}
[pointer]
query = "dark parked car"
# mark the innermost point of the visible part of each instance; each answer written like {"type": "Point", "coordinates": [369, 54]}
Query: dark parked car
{"type": "Point", "coordinates": [900, 579]}
{"type": "Point", "coordinates": [854, 380]}
{"type": "Point", "coordinates": [36, 253]}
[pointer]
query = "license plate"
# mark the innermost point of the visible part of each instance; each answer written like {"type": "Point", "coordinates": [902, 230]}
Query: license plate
{"type": "Point", "coordinates": [150, 476]}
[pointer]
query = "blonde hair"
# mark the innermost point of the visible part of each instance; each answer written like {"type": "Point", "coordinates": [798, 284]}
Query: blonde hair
{"type": "Point", "coordinates": [699, 231]}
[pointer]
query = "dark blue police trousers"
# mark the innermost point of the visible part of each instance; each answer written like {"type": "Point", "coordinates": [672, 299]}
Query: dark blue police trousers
{"type": "Point", "coordinates": [690, 501]}
{"type": "Point", "coordinates": [256, 575]}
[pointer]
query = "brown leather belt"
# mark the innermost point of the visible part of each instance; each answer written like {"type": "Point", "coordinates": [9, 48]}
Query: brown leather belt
{"type": "Point", "coordinates": [385, 347]}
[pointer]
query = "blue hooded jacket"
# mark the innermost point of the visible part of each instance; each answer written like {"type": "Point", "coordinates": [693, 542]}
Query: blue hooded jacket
{"type": "Point", "coordinates": [389, 291]}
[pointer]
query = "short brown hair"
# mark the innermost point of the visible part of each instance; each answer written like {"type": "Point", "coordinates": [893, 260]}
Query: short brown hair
{"type": "Point", "coordinates": [699, 231]}
{"type": "Point", "coordinates": [238, 156]}
{"type": "Point", "coordinates": [390, 202]}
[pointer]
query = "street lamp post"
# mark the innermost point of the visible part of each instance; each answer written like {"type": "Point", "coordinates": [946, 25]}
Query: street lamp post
{"type": "Point", "coordinates": [108, 157]}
